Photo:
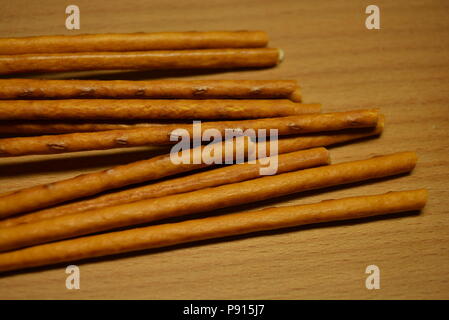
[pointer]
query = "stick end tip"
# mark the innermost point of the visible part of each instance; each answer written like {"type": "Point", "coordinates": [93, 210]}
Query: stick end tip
{"type": "Point", "coordinates": [281, 55]}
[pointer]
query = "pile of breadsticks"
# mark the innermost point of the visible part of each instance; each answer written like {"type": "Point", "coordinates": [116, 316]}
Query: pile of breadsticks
{"type": "Point", "coordinates": [79, 218]}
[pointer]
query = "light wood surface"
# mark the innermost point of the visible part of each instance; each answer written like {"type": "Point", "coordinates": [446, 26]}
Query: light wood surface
{"type": "Point", "coordinates": [403, 69]}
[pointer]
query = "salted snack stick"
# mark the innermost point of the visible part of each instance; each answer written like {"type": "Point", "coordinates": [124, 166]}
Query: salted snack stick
{"type": "Point", "coordinates": [203, 200]}
{"type": "Point", "coordinates": [101, 140]}
{"type": "Point", "coordinates": [49, 127]}
{"type": "Point", "coordinates": [290, 161]}
{"type": "Point", "coordinates": [323, 139]}
{"type": "Point", "coordinates": [210, 178]}
{"type": "Point", "coordinates": [149, 89]}
{"type": "Point", "coordinates": [133, 41]}
{"type": "Point", "coordinates": [149, 109]}
{"type": "Point", "coordinates": [169, 234]}
{"type": "Point", "coordinates": [45, 195]}
{"type": "Point", "coordinates": [141, 60]}
{"type": "Point", "coordinates": [87, 184]}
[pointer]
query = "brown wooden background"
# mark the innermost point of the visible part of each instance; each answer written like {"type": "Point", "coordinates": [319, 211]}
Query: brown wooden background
{"type": "Point", "coordinates": [402, 69]}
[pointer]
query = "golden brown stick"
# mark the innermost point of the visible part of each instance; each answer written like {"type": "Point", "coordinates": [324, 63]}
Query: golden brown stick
{"type": "Point", "coordinates": [161, 135]}
{"type": "Point", "coordinates": [240, 172]}
{"type": "Point", "coordinates": [193, 182]}
{"type": "Point", "coordinates": [49, 127]}
{"type": "Point", "coordinates": [138, 109]}
{"type": "Point", "coordinates": [42, 196]}
{"type": "Point", "coordinates": [203, 200]}
{"type": "Point", "coordinates": [323, 139]}
{"type": "Point", "coordinates": [154, 89]}
{"type": "Point", "coordinates": [141, 60]}
{"type": "Point", "coordinates": [212, 227]}
{"type": "Point", "coordinates": [133, 42]}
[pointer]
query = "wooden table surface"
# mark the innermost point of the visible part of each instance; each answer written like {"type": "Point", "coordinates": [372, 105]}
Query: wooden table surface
{"type": "Point", "coordinates": [403, 69]}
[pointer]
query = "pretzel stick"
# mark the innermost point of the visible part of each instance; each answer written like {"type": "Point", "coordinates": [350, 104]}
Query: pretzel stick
{"type": "Point", "coordinates": [213, 227]}
{"type": "Point", "coordinates": [132, 109]}
{"type": "Point", "coordinates": [239, 172]}
{"type": "Point", "coordinates": [203, 200]}
{"type": "Point", "coordinates": [154, 89]}
{"type": "Point", "coordinates": [161, 135]}
{"type": "Point", "coordinates": [193, 182]}
{"type": "Point", "coordinates": [141, 60]}
{"type": "Point", "coordinates": [133, 42]}
{"type": "Point", "coordinates": [323, 139]}
{"type": "Point", "coordinates": [45, 195]}
{"type": "Point", "coordinates": [45, 127]}
{"type": "Point", "coordinates": [42, 196]}
{"type": "Point", "coordinates": [48, 127]}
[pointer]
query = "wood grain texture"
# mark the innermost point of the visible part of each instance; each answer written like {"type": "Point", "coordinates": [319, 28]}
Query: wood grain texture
{"type": "Point", "coordinates": [403, 69]}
